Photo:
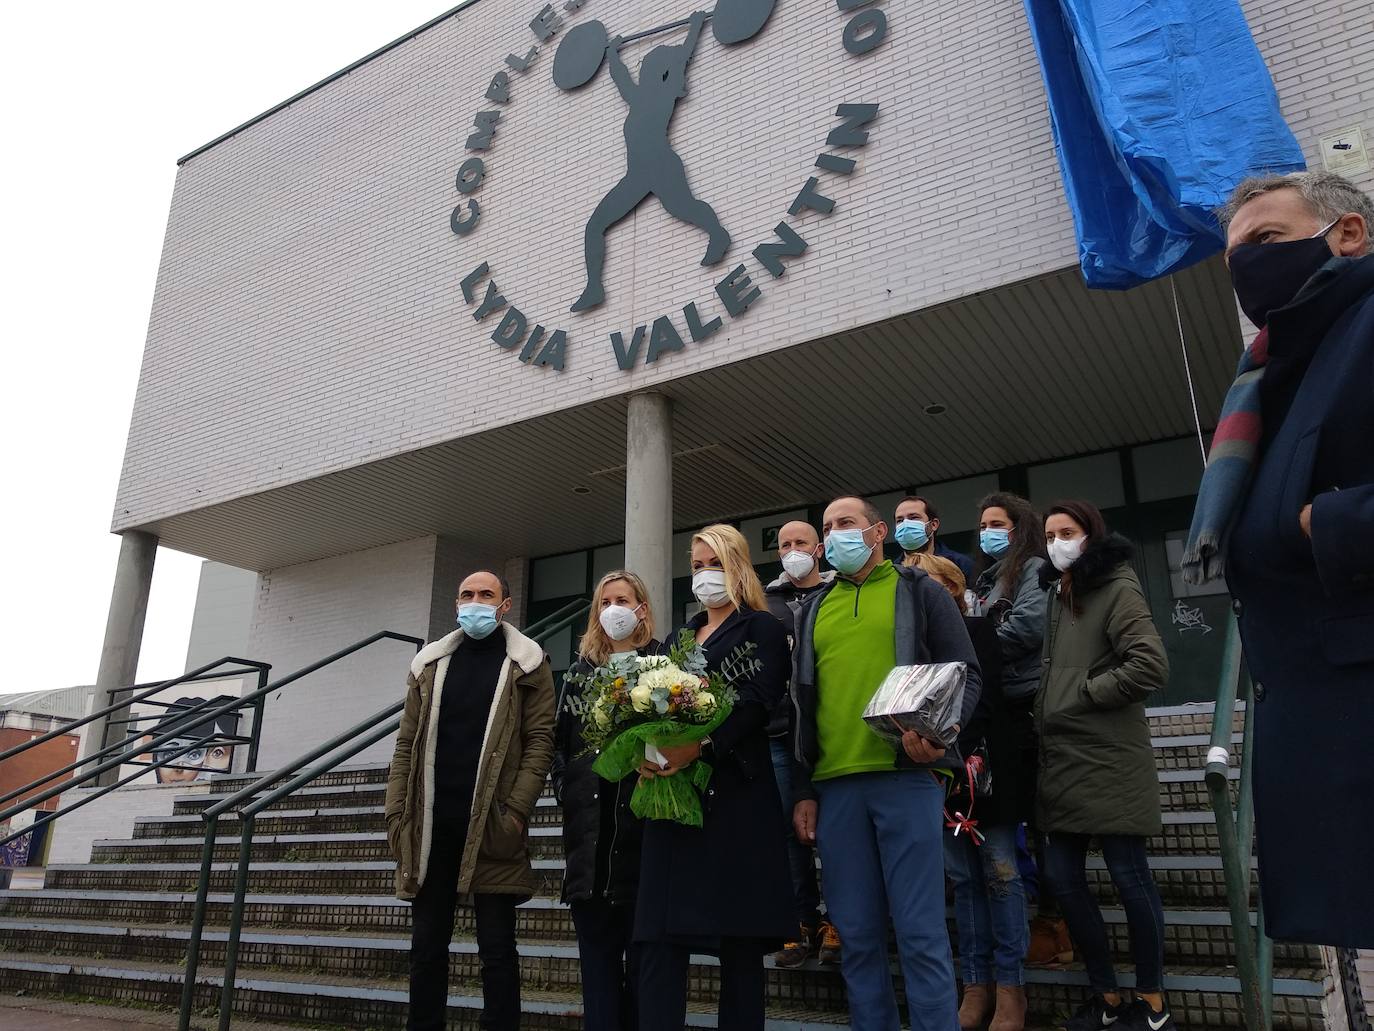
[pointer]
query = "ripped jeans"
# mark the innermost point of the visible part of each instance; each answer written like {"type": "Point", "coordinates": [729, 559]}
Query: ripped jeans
{"type": "Point", "coordinates": [989, 906]}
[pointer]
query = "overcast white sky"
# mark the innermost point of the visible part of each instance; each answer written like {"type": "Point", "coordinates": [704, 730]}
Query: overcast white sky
{"type": "Point", "coordinates": [99, 100]}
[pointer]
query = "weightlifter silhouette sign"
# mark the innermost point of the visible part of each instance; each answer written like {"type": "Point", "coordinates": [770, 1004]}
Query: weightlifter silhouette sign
{"type": "Point", "coordinates": [652, 168]}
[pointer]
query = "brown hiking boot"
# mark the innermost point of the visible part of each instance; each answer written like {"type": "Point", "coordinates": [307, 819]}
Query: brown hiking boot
{"type": "Point", "coordinates": [1049, 942]}
{"type": "Point", "coordinates": [795, 953]}
{"type": "Point", "coordinates": [829, 951]}
{"type": "Point", "coordinates": [1011, 1009]}
{"type": "Point", "coordinates": [976, 1007]}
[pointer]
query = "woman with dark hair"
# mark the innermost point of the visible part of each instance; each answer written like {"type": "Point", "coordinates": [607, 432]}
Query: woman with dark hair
{"type": "Point", "coordinates": [1102, 659]}
{"type": "Point", "coordinates": [1008, 587]}
{"type": "Point", "coordinates": [1009, 593]}
{"type": "Point", "coordinates": [601, 836]}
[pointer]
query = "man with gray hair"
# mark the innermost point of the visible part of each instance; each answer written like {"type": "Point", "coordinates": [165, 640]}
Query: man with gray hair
{"type": "Point", "coordinates": [1286, 512]}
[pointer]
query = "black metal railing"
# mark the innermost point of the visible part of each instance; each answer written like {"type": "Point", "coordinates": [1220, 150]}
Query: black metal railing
{"type": "Point", "coordinates": [172, 729]}
{"type": "Point", "coordinates": [249, 803]}
{"type": "Point", "coordinates": [1235, 835]}
{"type": "Point", "coordinates": [171, 735]}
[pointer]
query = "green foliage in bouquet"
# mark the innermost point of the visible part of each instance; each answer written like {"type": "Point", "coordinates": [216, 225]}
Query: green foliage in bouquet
{"type": "Point", "coordinates": [663, 700]}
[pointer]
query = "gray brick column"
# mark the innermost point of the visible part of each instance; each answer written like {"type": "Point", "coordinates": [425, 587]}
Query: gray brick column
{"type": "Point", "coordinates": [649, 498]}
{"type": "Point", "coordinates": [123, 636]}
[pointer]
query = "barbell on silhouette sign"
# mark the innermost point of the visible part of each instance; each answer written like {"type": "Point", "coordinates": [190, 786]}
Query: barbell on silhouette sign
{"type": "Point", "coordinates": [582, 51]}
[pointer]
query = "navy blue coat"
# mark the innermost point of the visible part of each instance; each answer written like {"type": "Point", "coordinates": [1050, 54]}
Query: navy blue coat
{"type": "Point", "coordinates": [729, 878]}
{"type": "Point", "coordinates": [1307, 612]}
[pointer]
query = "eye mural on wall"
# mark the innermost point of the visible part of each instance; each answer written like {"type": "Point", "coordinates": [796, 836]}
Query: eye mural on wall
{"type": "Point", "coordinates": [653, 168]}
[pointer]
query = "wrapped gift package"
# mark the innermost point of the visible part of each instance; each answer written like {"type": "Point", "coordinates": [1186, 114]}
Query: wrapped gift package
{"type": "Point", "coordinates": [926, 699]}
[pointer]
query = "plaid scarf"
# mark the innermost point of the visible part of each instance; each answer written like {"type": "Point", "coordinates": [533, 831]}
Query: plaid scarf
{"type": "Point", "coordinates": [1230, 465]}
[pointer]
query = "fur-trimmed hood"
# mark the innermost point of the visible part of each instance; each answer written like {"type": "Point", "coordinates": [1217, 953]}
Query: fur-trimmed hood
{"type": "Point", "coordinates": [1098, 564]}
{"type": "Point", "coordinates": [522, 651]}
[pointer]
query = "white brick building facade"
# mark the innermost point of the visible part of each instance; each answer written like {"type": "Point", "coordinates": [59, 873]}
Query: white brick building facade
{"type": "Point", "coordinates": [312, 359]}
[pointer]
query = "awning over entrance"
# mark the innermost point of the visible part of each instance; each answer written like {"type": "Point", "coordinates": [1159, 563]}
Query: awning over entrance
{"type": "Point", "coordinates": [1028, 372]}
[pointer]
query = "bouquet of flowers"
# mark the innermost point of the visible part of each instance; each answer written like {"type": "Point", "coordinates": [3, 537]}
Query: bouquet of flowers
{"type": "Point", "coordinates": [635, 703]}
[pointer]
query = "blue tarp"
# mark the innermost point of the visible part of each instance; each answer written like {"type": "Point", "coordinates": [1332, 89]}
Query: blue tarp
{"type": "Point", "coordinates": [1159, 108]}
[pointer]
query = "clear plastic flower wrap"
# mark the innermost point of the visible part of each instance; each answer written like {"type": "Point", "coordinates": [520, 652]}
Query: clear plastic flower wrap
{"type": "Point", "coordinates": [926, 699]}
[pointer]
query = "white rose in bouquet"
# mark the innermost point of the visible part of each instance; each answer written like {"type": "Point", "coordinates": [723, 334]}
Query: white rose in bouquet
{"type": "Point", "coordinates": [640, 696]}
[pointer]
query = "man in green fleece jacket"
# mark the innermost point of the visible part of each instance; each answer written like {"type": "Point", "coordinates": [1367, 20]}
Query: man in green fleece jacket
{"type": "Point", "coordinates": [876, 816]}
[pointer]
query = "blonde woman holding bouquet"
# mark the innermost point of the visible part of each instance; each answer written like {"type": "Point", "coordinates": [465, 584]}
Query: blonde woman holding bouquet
{"type": "Point", "coordinates": [722, 888]}
{"type": "Point", "coordinates": [601, 836]}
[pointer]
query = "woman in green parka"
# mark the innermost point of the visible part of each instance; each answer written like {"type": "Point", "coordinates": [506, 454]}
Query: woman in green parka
{"type": "Point", "coordinates": [1103, 658]}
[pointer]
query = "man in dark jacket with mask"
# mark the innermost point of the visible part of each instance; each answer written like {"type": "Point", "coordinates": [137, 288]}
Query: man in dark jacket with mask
{"type": "Point", "coordinates": [1286, 511]}
{"type": "Point", "coordinates": [799, 551]}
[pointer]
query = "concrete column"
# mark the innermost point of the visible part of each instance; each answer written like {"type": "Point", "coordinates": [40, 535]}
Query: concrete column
{"type": "Point", "coordinates": [649, 499]}
{"type": "Point", "coordinates": [123, 635]}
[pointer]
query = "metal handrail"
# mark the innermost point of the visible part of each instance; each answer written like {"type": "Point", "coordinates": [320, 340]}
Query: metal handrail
{"type": "Point", "coordinates": [196, 714]}
{"type": "Point", "coordinates": [142, 771]}
{"type": "Point", "coordinates": [538, 630]}
{"type": "Point", "coordinates": [357, 738]}
{"type": "Point", "coordinates": [202, 673]}
{"type": "Point", "coordinates": [211, 815]}
{"type": "Point", "coordinates": [1235, 834]}
{"type": "Point", "coordinates": [188, 716]}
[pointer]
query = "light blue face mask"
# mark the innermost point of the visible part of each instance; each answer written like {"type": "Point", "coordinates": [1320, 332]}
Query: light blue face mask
{"type": "Point", "coordinates": [994, 542]}
{"type": "Point", "coordinates": [846, 550]}
{"type": "Point", "coordinates": [911, 534]}
{"type": "Point", "coordinates": [477, 620]}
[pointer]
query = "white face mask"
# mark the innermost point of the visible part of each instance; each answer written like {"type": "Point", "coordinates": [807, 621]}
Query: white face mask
{"type": "Point", "coordinates": [618, 621]}
{"type": "Point", "coordinates": [708, 585]}
{"type": "Point", "coordinates": [1065, 553]}
{"type": "Point", "coordinates": [798, 564]}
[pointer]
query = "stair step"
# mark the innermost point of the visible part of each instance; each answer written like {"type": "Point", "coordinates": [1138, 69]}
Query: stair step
{"type": "Point", "coordinates": [304, 999]}
{"type": "Point", "coordinates": [1197, 996]}
{"type": "Point", "coordinates": [548, 817]}
{"type": "Point", "coordinates": [315, 820]}
{"type": "Point", "coordinates": [1191, 937]}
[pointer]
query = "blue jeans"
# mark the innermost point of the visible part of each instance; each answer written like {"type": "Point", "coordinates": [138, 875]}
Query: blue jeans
{"type": "Point", "coordinates": [879, 836]}
{"type": "Point", "coordinates": [800, 859]}
{"type": "Point", "coordinates": [989, 906]}
{"type": "Point", "coordinates": [1129, 868]}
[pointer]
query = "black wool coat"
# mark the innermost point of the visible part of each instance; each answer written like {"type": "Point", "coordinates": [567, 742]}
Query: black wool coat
{"type": "Point", "coordinates": [1306, 611]}
{"type": "Point", "coordinates": [729, 878]}
{"type": "Point", "coordinates": [1007, 727]}
{"type": "Point", "coordinates": [601, 837]}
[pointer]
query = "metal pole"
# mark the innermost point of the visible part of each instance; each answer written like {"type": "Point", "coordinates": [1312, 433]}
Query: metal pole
{"type": "Point", "coordinates": [662, 28]}
{"type": "Point", "coordinates": [1235, 853]}
{"type": "Point", "coordinates": [231, 954]}
{"type": "Point", "coordinates": [188, 988]}
{"type": "Point", "coordinates": [1266, 967]}
{"type": "Point", "coordinates": [258, 707]}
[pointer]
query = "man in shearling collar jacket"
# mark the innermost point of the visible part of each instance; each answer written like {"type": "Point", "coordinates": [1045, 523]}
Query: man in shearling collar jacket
{"type": "Point", "coordinates": [474, 747]}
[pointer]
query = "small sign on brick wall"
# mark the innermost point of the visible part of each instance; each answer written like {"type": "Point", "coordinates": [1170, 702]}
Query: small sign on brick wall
{"type": "Point", "coordinates": [1344, 153]}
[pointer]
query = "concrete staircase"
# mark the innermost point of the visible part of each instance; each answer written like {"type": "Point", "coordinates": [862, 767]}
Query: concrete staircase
{"type": "Point", "coordinates": [324, 942]}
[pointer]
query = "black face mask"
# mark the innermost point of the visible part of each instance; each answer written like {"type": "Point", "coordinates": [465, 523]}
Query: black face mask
{"type": "Point", "coordinates": [1266, 276]}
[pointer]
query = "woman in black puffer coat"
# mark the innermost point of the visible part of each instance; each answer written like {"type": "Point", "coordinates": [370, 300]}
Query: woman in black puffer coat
{"type": "Point", "coordinates": [601, 837]}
